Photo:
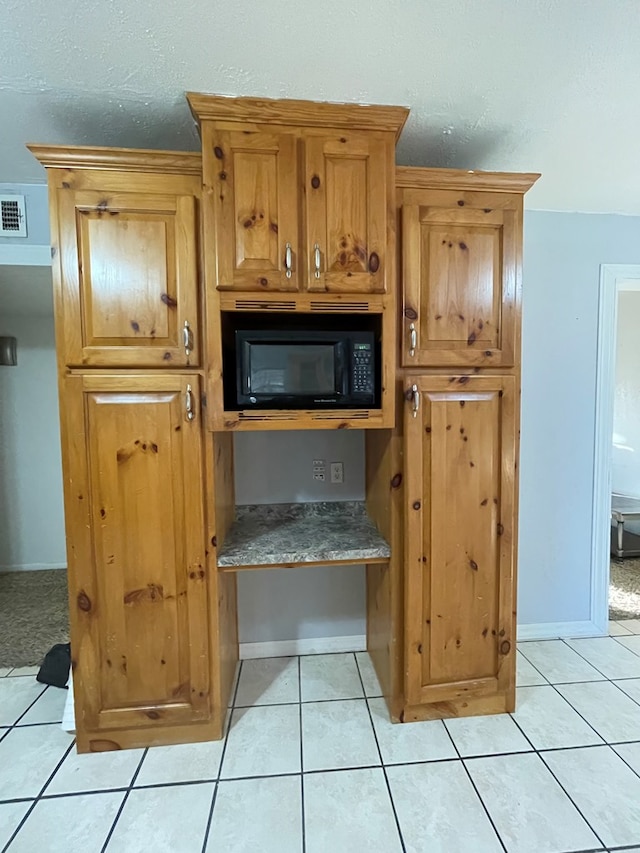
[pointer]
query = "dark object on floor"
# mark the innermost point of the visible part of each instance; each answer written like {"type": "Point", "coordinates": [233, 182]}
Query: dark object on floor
{"type": "Point", "coordinates": [55, 666]}
{"type": "Point", "coordinates": [624, 588]}
{"type": "Point", "coordinates": [34, 615]}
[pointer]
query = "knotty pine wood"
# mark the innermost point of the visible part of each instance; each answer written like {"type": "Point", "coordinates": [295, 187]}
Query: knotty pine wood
{"type": "Point", "coordinates": [268, 112]}
{"type": "Point", "coordinates": [460, 528]}
{"type": "Point", "coordinates": [461, 285]}
{"type": "Point", "coordinates": [384, 478]}
{"type": "Point", "coordinates": [348, 188]}
{"type": "Point", "coordinates": [138, 584]}
{"type": "Point", "coordinates": [220, 492]}
{"type": "Point", "coordinates": [131, 313]}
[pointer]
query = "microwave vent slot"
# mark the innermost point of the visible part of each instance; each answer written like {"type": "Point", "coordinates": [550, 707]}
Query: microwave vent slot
{"type": "Point", "coordinates": [318, 415]}
{"type": "Point", "coordinates": [259, 305]}
{"type": "Point", "coordinates": [350, 307]}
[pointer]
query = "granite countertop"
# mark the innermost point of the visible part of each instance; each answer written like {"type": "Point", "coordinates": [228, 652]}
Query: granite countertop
{"type": "Point", "coordinates": [275, 534]}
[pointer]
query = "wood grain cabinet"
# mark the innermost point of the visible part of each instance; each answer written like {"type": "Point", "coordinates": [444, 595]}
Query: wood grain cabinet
{"type": "Point", "coordinates": [137, 571]}
{"type": "Point", "coordinates": [125, 233]}
{"type": "Point", "coordinates": [300, 194]}
{"type": "Point", "coordinates": [461, 258]}
{"type": "Point", "coordinates": [460, 451]}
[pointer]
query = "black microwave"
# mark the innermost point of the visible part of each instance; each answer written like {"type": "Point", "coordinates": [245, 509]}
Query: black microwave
{"type": "Point", "coordinates": [305, 369]}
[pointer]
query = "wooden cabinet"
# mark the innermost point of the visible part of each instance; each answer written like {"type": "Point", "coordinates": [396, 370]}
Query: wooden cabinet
{"type": "Point", "coordinates": [254, 181]}
{"type": "Point", "coordinates": [345, 212]}
{"type": "Point", "coordinates": [125, 234]}
{"type": "Point", "coordinates": [461, 257]}
{"type": "Point", "coordinates": [460, 530]}
{"type": "Point", "coordinates": [138, 582]}
{"type": "Point", "coordinates": [300, 195]}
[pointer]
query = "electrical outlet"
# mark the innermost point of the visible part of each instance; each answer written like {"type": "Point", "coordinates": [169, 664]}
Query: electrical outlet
{"type": "Point", "coordinates": [319, 475]}
{"type": "Point", "coordinates": [337, 472]}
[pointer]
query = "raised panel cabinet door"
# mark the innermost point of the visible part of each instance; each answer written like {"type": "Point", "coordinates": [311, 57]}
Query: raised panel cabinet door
{"type": "Point", "coordinates": [129, 273]}
{"type": "Point", "coordinates": [461, 279]}
{"type": "Point", "coordinates": [460, 451]}
{"type": "Point", "coordinates": [252, 179]}
{"type": "Point", "coordinates": [346, 196]}
{"type": "Point", "coordinates": [138, 581]}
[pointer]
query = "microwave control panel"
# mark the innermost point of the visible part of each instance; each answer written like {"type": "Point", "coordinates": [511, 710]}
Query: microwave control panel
{"type": "Point", "coordinates": [362, 368]}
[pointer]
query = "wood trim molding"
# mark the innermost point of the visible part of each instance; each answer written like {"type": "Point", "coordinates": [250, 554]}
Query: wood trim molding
{"type": "Point", "coordinates": [117, 159]}
{"type": "Point", "coordinates": [291, 112]}
{"type": "Point", "coordinates": [457, 179]}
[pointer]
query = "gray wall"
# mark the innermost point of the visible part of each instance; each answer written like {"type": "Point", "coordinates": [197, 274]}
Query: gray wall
{"type": "Point", "coordinates": [289, 604]}
{"type": "Point", "coordinates": [563, 253]}
{"type": "Point", "coordinates": [31, 508]}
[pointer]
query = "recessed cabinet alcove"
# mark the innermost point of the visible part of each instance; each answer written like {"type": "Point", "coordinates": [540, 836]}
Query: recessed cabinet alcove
{"type": "Point", "coordinates": [294, 215]}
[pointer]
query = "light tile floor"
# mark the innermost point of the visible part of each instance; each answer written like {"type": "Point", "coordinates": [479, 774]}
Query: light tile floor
{"type": "Point", "coordinates": [311, 763]}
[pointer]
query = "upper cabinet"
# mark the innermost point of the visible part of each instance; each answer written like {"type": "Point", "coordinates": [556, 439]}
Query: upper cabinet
{"type": "Point", "coordinates": [299, 196]}
{"type": "Point", "coordinates": [124, 237]}
{"type": "Point", "coordinates": [253, 189]}
{"type": "Point", "coordinates": [461, 259]}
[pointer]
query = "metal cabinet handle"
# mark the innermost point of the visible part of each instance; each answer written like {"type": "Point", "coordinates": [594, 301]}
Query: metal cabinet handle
{"type": "Point", "coordinates": [317, 259]}
{"type": "Point", "coordinates": [416, 400]}
{"type": "Point", "coordinates": [413, 339]}
{"type": "Point", "coordinates": [188, 404]}
{"type": "Point", "coordinates": [288, 259]}
{"type": "Point", "coordinates": [187, 338]}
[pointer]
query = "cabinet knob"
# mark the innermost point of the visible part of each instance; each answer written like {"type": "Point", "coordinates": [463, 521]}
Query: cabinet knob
{"type": "Point", "coordinates": [413, 339]}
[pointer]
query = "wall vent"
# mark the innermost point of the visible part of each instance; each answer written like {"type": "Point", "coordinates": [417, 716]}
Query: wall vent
{"type": "Point", "coordinates": [257, 305]}
{"type": "Point", "coordinates": [331, 307]}
{"type": "Point", "coordinates": [13, 220]}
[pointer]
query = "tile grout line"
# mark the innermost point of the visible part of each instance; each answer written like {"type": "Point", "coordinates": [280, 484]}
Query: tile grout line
{"type": "Point", "coordinates": [124, 800]}
{"type": "Point", "coordinates": [382, 765]}
{"type": "Point", "coordinates": [473, 785]}
{"type": "Point", "coordinates": [539, 671]}
{"type": "Point", "coordinates": [570, 798]}
{"type": "Point", "coordinates": [620, 637]}
{"type": "Point", "coordinates": [227, 722]}
{"type": "Point", "coordinates": [37, 798]}
{"type": "Point", "coordinates": [540, 756]}
{"type": "Point", "coordinates": [586, 659]}
{"type": "Point", "coordinates": [303, 823]}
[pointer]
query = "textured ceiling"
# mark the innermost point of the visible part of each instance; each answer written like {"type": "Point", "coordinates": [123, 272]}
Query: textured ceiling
{"type": "Point", "coordinates": [529, 85]}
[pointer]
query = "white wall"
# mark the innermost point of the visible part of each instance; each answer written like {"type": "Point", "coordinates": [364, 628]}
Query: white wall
{"type": "Point", "coordinates": [31, 509]}
{"type": "Point", "coordinates": [625, 475]}
{"type": "Point", "coordinates": [563, 253]}
{"type": "Point", "coordinates": [290, 604]}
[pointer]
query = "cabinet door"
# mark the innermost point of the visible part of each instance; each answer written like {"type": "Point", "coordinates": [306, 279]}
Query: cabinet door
{"type": "Point", "coordinates": [129, 276]}
{"type": "Point", "coordinates": [138, 583]}
{"type": "Point", "coordinates": [346, 191]}
{"type": "Point", "coordinates": [460, 449]}
{"type": "Point", "coordinates": [460, 279]}
{"type": "Point", "coordinates": [252, 178]}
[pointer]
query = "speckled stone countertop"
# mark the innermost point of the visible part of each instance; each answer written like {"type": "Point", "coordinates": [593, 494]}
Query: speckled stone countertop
{"type": "Point", "coordinates": [276, 534]}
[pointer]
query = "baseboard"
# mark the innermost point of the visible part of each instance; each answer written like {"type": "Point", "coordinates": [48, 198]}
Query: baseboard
{"type": "Point", "coordinates": [31, 567]}
{"type": "Point", "coordinates": [313, 646]}
{"type": "Point", "coordinates": [555, 630]}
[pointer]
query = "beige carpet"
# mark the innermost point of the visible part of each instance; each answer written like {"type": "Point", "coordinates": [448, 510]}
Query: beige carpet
{"type": "Point", "coordinates": [624, 588]}
{"type": "Point", "coordinates": [33, 615]}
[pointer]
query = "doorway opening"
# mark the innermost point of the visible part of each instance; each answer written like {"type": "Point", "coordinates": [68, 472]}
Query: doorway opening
{"type": "Point", "coordinates": [616, 501]}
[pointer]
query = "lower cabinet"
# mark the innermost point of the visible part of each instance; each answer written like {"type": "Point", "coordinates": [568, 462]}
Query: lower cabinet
{"type": "Point", "coordinates": [460, 442]}
{"type": "Point", "coordinates": [138, 581]}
